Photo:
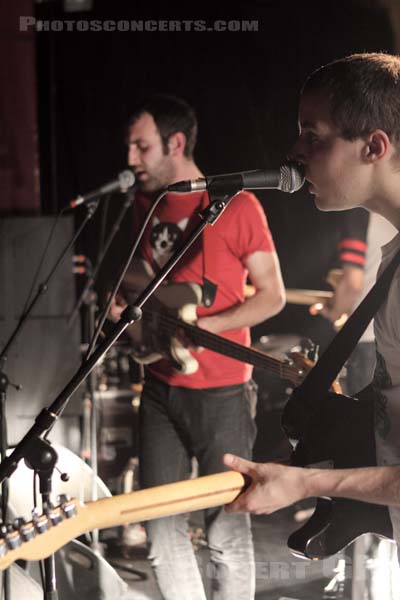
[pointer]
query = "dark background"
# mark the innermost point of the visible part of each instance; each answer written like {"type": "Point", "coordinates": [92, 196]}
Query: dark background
{"type": "Point", "coordinates": [244, 87]}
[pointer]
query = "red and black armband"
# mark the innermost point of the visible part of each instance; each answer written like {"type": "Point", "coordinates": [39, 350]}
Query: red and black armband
{"type": "Point", "coordinates": [352, 252]}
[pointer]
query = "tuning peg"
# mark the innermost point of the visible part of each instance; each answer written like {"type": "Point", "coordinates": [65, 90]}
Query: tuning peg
{"type": "Point", "coordinates": [310, 349]}
{"type": "Point", "coordinates": [41, 523]}
{"type": "Point", "coordinates": [69, 509]}
{"type": "Point", "coordinates": [12, 537]}
{"type": "Point", "coordinates": [54, 514]}
{"type": "Point", "coordinates": [26, 528]}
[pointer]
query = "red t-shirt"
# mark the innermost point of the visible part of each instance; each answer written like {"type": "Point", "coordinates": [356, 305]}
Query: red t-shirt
{"type": "Point", "coordinates": [240, 231]}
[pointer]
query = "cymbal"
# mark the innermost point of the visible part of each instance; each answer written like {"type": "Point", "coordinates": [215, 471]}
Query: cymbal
{"type": "Point", "coordinates": [278, 344]}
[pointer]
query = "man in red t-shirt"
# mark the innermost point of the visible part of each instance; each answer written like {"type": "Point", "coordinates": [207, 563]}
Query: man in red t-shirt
{"type": "Point", "coordinates": [208, 412]}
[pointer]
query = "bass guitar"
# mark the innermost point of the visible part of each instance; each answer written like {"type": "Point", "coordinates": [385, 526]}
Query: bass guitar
{"type": "Point", "coordinates": [171, 312]}
{"type": "Point", "coordinates": [157, 338]}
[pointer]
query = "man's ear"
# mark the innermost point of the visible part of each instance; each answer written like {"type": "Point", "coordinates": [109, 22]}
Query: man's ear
{"type": "Point", "coordinates": [377, 146]}
{"type": "Point", "coordinates": [177, 143]}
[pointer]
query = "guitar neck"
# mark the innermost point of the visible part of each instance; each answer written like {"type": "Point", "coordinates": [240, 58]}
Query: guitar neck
{"type": "Point", "coordinates": [161, 501]}
{"type": "Point", "coordinates": [226, 347]}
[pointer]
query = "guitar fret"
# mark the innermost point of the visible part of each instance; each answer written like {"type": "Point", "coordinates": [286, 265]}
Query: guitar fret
{"type": "Point", "coordinates": [224, 346]}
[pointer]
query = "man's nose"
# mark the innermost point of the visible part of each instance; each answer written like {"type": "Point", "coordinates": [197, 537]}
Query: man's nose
{"type": "Point", "coordinates": [133, 156]}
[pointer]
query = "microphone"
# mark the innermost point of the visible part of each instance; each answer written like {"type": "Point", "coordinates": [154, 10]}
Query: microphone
{"type": "Point", "coordinates": [288, 178]}
{"type": "Point", "coordinates": [125, 180]}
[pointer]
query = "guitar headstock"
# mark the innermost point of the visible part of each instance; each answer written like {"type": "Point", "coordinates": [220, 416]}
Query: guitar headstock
{"type": "Point", "coordinates": [297, 366]}
{"type": "Point", "coordinates": [37, 538]}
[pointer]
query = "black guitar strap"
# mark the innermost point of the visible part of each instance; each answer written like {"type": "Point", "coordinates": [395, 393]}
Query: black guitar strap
{"type": "Point", "coordinates": [320, 378]}
{"type": "Point", "coordinates": [210, 276]}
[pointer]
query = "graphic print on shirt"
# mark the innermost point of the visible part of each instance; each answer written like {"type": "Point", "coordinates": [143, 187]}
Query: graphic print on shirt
{"type": "Point", "coordinates": [165, 238]}
{"type": "Point", "coordinates": [381, 381]}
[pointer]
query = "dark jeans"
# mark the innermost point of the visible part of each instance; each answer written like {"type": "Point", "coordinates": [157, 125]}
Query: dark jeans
{"type": "Point", "coordinates": [177, 424]}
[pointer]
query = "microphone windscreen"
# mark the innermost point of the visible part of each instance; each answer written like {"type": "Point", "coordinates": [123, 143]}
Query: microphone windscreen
{"type": "Point", "coordinates": [292, 177]}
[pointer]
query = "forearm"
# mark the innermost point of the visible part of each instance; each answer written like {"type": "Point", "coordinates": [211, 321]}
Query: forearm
{"type": "Point", "coordinates": [269, 299]}
{"type": "Point", "coordinates": [380, 485]}
{"type": "Point", "coordinates": [274, 486]}
{"type": "Point", "coordinates": [263, 305]}
{"type": "Point", "coordinates": [346, 294]}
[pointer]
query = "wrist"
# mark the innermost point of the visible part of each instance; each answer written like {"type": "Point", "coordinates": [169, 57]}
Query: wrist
{"type": "Point", "coordinates": [210, 323]}
{"type": "Point", "coordinates": [318, 482]}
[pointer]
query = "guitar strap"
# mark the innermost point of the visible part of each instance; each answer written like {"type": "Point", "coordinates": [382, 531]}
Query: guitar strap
{"type": "Point", "coordinates": [210, 277]}
{"type": "Point", "coordinates": [320, 378]}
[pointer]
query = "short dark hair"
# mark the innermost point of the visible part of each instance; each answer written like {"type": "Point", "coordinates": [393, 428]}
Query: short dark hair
{"type": "Point", "coordinates": [364, 93]}
{"type": "Point", "coordinates": [170, 114]}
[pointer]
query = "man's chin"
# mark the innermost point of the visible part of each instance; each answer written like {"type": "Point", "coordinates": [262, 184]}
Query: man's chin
{"type": "Point", "coordinates": [321, 204]}
{"type": "Point", "coordinates": [149, 187]}
{"type": "Point", "coordinates": [328, 205]}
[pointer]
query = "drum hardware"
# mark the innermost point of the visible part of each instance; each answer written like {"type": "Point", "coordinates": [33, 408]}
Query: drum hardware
{"type": "Point", "coordinates": [273, 393]}
{"type": "Point", "coordinates": [118, 371]}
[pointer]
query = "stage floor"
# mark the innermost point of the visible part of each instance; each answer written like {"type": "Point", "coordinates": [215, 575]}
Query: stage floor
{"type": "Point", "coordinates": [280, 575]}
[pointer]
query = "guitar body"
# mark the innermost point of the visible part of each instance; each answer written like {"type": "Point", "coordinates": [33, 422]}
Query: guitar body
{"type": "Point", "coordinates": [339, 435]}
{"type": "Point", "coordinates": [150, 341]}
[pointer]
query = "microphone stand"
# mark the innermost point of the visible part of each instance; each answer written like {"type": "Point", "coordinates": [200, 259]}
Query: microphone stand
{"type": "Point", "coordinates": [32, 443]}
{"type": "Point", "coordinates": [89, 298]}
{"type": "Point", "coordinates": [43, 287]}
{"type": "Point", "coordinates": [4, 383]}
{"type": "Point", "coordinates": [130, 197]}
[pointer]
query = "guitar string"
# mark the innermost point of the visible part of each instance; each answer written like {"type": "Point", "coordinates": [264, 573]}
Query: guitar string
{"type": "Point", "coordinates": [255, 357]}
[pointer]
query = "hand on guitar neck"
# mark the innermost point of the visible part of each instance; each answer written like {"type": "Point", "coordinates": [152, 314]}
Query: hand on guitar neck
{"type": "Point", "coordinates": [347, 284]}
{"type": "Point", "coordinates": [334, 305]}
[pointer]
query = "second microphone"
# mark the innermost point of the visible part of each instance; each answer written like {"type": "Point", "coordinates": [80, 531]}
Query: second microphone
{"type": "Point", "coordinates": [288, 178]}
